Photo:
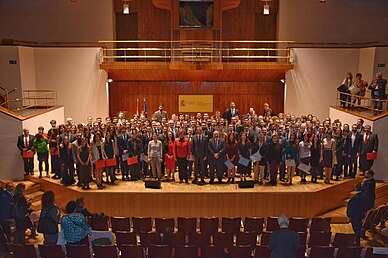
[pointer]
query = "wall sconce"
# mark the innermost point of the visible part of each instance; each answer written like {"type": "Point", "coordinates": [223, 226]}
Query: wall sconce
{"type": "Point", "coordinates": [126, 9]}
{"type": "Point", "coordinates": [266, 9]}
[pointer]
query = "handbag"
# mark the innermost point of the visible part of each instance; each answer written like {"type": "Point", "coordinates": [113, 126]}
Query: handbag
{"type": "Point", "coordinates": [47, 225]}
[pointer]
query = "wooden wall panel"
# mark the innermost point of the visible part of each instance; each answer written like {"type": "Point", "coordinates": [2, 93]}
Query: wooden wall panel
{"type": "Point", "coordinates": [123, 95]}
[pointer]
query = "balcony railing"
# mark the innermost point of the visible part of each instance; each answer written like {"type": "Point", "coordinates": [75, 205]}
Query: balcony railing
{"type": "Point", "coordinates": [31, 102]}
{"type": "Point", "coordinates": [196, 51]}
{"type": "Point", "coordinates": [362, 104]}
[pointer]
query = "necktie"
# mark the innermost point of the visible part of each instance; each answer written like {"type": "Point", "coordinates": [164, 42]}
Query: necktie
{"type": "Point", "coordinates": [216, 144]}
{"type": "Point", "coordinates": [366, 138]}
{"type": "Point", "coordinates": [26, 144]}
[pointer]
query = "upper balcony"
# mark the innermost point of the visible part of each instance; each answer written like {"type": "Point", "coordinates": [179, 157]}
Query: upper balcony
{"type": "Point", "coordinates": [196, 60]}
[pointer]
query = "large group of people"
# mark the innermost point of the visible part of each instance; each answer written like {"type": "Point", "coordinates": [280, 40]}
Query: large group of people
{"type": "Point", "coordinates": [216, 147]}
{"type": "Point", "coordinates": [352, 90]}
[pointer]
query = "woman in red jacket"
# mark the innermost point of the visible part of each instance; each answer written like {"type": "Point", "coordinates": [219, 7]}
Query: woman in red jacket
{"type": "Point", "coordinates": [181, 154]}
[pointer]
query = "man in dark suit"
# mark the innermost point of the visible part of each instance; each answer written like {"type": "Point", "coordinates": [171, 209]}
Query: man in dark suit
{"type": "Point", "coordinates": [369, 189]}
{"type": "Point", "coordinates": [199, 149]}
{"type": "Point", "coordinates": [233, 111]}
{"type": "Point", "coordinates": [25, 143]}
{"type": "Point", "coordinates": [122, 142]}
{"type": "Point", "coordinates": [378, 93]}
{"type": "Point", "coordinates": [284, 242]}
{"type": "Point", "coordinates": [369, 144]}
{"type": "Point", "coordinates": [216, 156]}
{"type": "Point", "coordinates": [6, 208]}
{"type": "Point", "coordinates": [158, 115]}
{"type": "Point", "coordinates": [354, 140]}
{"type": "Point", "coordinates": [356, 212]}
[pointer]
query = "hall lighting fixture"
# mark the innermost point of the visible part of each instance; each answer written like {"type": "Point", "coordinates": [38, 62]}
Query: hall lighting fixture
{"type": "Point", "coordinates": [266, 9]}
{"type": "Point", "coordinates": [126, 8]}
{"type": "Point", "coordinates": [110, 80]}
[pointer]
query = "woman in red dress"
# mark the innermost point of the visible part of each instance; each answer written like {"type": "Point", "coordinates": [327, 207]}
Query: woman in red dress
{"type": "Point", "coordinates": [169, 156]}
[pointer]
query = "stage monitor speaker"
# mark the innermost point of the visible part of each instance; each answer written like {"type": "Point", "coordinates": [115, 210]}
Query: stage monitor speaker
{"type": "Point", "coordinates": [246, 184]}
{"type": "Point", "coordinates": [154, 184]}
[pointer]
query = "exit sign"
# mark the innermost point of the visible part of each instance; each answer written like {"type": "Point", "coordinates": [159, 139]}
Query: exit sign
{"type": "Point", "coordinates": [380, 65]}
{"type": "Point", "coordinates": [12, 62]}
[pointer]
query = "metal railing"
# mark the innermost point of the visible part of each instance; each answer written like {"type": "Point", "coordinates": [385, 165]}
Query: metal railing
{"type": "Point", "coordinates": [196, 51]}
{"type": "Point", "coordinates": [361, 104]}
{"type": "Point", "coordinates": [32, 102]}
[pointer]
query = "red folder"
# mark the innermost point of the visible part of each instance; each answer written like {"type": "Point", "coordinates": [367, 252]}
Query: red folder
{"type": "Point", "coordinates": [110, 162]}
{"type": "Point", "coordinates": [371, 156]}
{"type": "Point", "coordinates": [27, 154]}
{"type": "Point", "coordinates": [132, 160]}
{"type": "Point", "coordinates": [100, 164]}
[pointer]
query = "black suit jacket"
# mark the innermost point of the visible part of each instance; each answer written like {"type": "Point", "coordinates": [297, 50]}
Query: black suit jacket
{"type": "Point", "coordinates": [213, 149]}
{"type": "Point", "coordinates": [284, 243]}
{"type": "Point", "coordinates": [229, 114]}
{"type": "Point", "coordinates": [21, 144]}
{"type": "Point", "coordinates": [121, 143]}
{"type": "Point", "coordinates": [199, 149]}
{"type": "Point", "coordinates": [356, 148]}
{"type": "Point", "coordinates": [371, 145]}
{"type": "Point", "coordinates": [356, 210]}
{"type": "Point", "coordinates": [369, 192]}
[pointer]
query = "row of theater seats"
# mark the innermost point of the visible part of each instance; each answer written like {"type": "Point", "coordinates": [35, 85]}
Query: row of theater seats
{"type": "Point", "coordinates": [167, 251]}
{"type": "Point", "coordinates": [205, 225]}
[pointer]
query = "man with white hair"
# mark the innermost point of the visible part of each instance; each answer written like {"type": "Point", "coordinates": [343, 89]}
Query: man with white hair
{"type": "Point", "coordinates": [378, 88]}
{"type": "Point", "coordinates": [284, 242]}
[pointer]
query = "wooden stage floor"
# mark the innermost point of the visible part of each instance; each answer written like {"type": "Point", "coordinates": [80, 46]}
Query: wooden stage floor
{"type": "Point", "coordinates": [188, 200]}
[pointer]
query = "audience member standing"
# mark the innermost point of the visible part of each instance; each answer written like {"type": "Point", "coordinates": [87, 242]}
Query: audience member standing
{"type": "Point", "coordinates": [356, 212]}
{"type": "Point", "coordinates": [25, 145]}
{"type": "Point", "coordinates": [369, 189]}
{"type": "Point", "coordinates": [7, 205]}
{"type": "Point", "coordinates": [378, 92]}
{"type": "Point", "coordinates": [233, 111]}
{"type": "Point", "coordinates": [284, 243]}
{"type": "Point", "coordinates": [74, 226]}
{"type": "Point", "coordinates": [369, 145]}
{"type": "Point", "coordinates": [49, 218]}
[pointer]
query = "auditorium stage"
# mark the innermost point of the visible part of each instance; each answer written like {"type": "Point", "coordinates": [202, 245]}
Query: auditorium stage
{"type": "Point", "coordinates": [188, 200]}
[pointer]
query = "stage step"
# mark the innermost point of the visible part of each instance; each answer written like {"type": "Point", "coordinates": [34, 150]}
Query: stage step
{"type": "Point", "coordinates": [36, 196]}
{"type": "Point", "coordinates": [36, 206]}
{"type": "Point", "coordinates": [338, 216]}
{"type": "Point", "coordinates": [381, 193]}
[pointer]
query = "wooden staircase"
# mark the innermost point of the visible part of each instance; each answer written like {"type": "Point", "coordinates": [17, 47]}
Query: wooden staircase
{"type": "Point", "coordinates": [338, 215]}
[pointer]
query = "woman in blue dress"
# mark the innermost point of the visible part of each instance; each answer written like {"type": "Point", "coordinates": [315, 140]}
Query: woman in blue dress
{"type": "Point", "coordinates": [291, 150]}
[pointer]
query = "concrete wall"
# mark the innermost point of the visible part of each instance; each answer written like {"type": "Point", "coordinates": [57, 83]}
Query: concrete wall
{"type": "Point", "coordinates": [333, 21]}
{"type": "Point", "coordinates": [10, 73]}
{"type": "Point", "coordinates": [347, 118]}
{"type": "Point", "coordinates": [57, 21]}
{"type": "Point", "coordinates": [311, 87]}
{"type": "Point", "coordinates": [44, 119]}
{"type": "Point", "coordinates": [366, 63]}
{"type": "Point", "coordinates": [76, 76]}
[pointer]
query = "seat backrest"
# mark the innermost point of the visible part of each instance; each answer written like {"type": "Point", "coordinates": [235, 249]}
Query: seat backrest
{"type": "Point", "coordinates": [208, 225]}
{"type": "Point", "coordinates": [322, 252]}
{"type": "Point", "coordinates": [232, 225]}
{"type": "Point", "coordinates": [318, 238]}
{"type": "Point", "coordinates": [302, 237]}
{"type": "Point", "coordinates": [23, 251]}
{"type": "Point", "coordinates": [298, 224]}
{"type": "Point", "coordinates": [159, 251]}
{"type": "Point", "coordinates": [141, 224]}
{"type": "Point", "coordinates": [49, 251]}
{"type": "Point", "coordinates": [246, 238]}
{"type": "Point", "coordinates": [265, 237]}
{"type": "Point", "coordinates": [187, 225]}
{"type": "Point", "coordinates": [77, 251]}
{"type": "Point", "coordinates": [120, 224]}
{"type": "Point", "coordinates": [254, 224]}
{"type": "Point", "coordinates": [150, 238]}
{"type": "Point", "coordinates": [240, 251]}
{"type": "Point", "coordinates": [199, 239]}
{"type": "Point", "coordinates": [369, 254]}
{"type": "Point", "coordinates": [349, 252]}
{"type": "Point", "coordinates": [320, 224]}
{"type": "Point", "coordinates": [342, 239]}
{"type": "Point", "coordinates": [131, 251]}
{"type": "Point", "coordinates": [125, 237]}
{"type": "Point", "coordinates": [100, 223]}
{"type": "Point", "coordinates": [164, 225]}
{"type": "Point", "coordinates": [190, 251]}
{"type": "Point", "coordinates": [272, 224]}
{"type": "Point", "coordinates": [262, 252]}
{"type": "Point", "coordinates": [223, 239]}
{"type": "Point", "coordinates": [105, 251]}
{"type": "Point", "coordinates": [174, 239]}
{"type": "Point", "coordinates": [212, 252]}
